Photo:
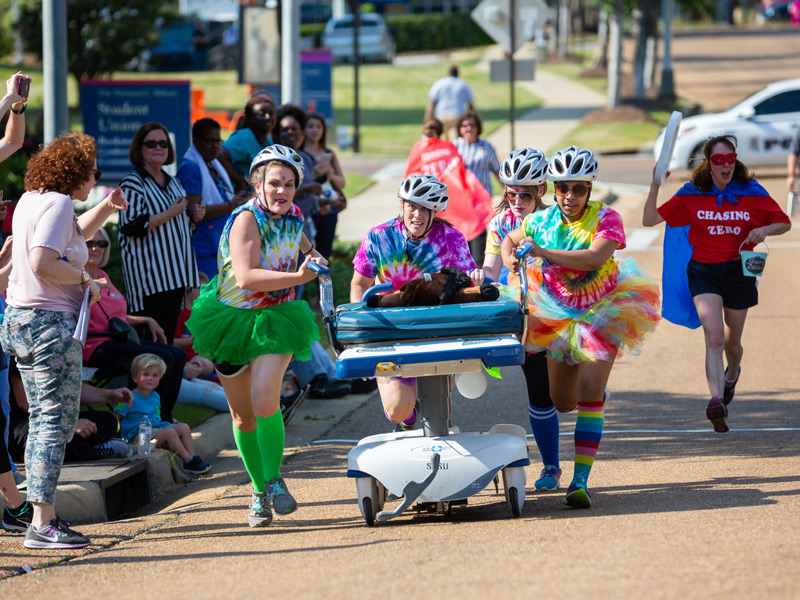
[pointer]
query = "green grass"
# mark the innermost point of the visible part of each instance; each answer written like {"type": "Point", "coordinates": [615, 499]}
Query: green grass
{"type": "Point", "coordinates": [572, 70]}
{"type": "Point", "coordinates": [356, 184]}
{"type": "Point", "coordinates": [192, 415]}
{"type": "Point", "coordinates": [605, 137]}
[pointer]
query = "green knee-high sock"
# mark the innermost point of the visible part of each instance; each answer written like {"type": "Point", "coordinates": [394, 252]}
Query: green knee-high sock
{"type": "Point", "coordinates": [247, 442]}
{"type": "Point", "coordinates": [271, 439]}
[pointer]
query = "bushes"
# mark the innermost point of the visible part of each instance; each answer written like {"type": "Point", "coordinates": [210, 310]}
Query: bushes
{"type": "Point", "coordinates": [423, 32]}
{"type": "Point", "coordinates": [436, 31]}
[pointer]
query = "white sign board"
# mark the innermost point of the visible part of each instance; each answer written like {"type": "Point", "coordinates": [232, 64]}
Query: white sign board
{"type": "Point", "coordinates": [494, 17]}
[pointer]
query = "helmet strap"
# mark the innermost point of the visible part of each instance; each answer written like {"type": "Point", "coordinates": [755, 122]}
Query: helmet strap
{"type": "Point", "coordinates": [416, 238]}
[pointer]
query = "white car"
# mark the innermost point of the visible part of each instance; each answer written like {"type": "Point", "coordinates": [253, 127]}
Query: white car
{"type": "Point", "coordinates": [764, 124]}
{"type": "Point", "coordinates": [374, 40]}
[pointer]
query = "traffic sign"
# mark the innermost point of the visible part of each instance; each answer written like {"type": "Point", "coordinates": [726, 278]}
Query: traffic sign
{"type": "Point", "coordinates": [494, 17]}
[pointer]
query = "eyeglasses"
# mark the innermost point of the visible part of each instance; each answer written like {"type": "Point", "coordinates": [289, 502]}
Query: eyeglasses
{"type": "Point", "coordinates": [578, 189]}
{"type": "Point", "coordinates": [524, 196]}
{"type": "Point", "coordinates": [723, 159]}
{"type": "Point", "coordinates": [468, 125]}
{"type": "Point", "coordinates": [153, 143]}
{"type": "Point", "coordinates": [92, 244]}
{"type": "Point", "coordinates": [97, 174]}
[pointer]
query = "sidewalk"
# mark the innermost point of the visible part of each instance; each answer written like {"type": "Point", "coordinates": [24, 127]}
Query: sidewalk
{"type": "Point", "coordinates": [564, 103]}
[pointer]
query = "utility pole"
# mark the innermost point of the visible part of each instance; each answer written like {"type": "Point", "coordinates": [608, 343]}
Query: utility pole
{"type": "Point", "coordinates": [355, 7]}
{"type": "Point", "coordinates": [290, 52]}
{"type": "Point", "coordinates": [54, 54]}
{"type": "Point", "coordinates": [667, 91]}
{"type": "Point", "coordinates": [512, 107]}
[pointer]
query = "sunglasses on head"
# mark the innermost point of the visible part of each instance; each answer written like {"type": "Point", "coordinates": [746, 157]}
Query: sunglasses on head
{"type": "Point", "coordinates": [524, 196]}
{"type": "Point", "coordinates": [723, 159]}
{"type": "Point", "coordinates": [97, 174]}
{"type": "Point", "coordinates": [153, 143]}
{"type": "Point", "coordinates": [92, 244]}
{"type": "Point", "coordinates": [578, 189]}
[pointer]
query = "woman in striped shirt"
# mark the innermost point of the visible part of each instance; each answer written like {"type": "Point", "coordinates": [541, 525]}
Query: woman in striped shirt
{"type": "Point", "coordinates": [155, 238]}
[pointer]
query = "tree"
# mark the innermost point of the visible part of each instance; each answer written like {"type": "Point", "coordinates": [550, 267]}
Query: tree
{"type": "Point", "coordinates": [101, 36]}
{"type": "Point", "coordinates": [645, 42]}
{"type": "Point", "coordinates": [615, 54]}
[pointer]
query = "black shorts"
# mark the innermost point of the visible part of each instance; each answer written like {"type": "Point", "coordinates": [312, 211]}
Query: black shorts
{"type": "Point", "coordinates": [724, 279]}
{"type": "Point", "coordinates": [226, 369]}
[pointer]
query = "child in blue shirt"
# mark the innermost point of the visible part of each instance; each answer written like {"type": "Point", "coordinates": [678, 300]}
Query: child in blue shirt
{"type": "Point", "coordinates": [147, 371]}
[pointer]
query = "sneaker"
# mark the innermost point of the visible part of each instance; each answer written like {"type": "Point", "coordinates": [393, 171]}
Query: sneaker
{"type": "Point", "coordinates": [20, 480]}
{"type": "Point", "coordinates": [577, 495]}
{"type": "Point", "coordinates": [112, 449]}
{"type": "Point", "coordinates": [279, 496]}
{"type": "Point", "coordinates": [717, 413]}
{"type": "Point", "coordinates": [548, 478]}
{"type": "Point", "coordinates": [606, 395]}
{"type": "Point", "coordinates": [196, 466]}
{"type": "Point", "coordinates": [290, 403]}
{"type": "Point", "coordinates": [405, 425]}
{"type": "Point", "coordinates": [260, 513]}
{"type": "Point", "coordinates": [730, 387]}
{"type": "Point", "coordinates": [56, 535]}
{"type": "Point", "coordinates": [325, 389]}
{"type": "Point", "coordinates": [18, 523]}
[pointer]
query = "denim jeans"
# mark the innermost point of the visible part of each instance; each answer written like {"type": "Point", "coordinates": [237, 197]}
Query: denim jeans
{"type": "Point", "coordinates": [49, 362]}
{"type": "Point", "coordinates": [201, 392]}
{"type": "Point", "coordinates": [319, 363]}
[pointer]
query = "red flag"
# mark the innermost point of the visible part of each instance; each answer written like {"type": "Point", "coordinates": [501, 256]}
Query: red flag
{"type": "Point", "coordinates": [470, 206]}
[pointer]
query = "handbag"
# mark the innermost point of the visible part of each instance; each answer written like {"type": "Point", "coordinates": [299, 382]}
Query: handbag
{"type": "Point", "coordinates": [118, 329]}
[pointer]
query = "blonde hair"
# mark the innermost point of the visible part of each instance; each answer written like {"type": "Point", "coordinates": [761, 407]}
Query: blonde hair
{"type": "Point", "coordinates": [145, 361]}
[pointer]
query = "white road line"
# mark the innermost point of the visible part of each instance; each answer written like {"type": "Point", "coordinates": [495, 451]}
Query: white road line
{"type": "Point", "coordinates": [615, 432]}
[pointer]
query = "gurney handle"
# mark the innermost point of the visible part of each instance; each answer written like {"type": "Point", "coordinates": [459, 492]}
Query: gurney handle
{"type": "Point", "coordinates": [522, 252]}
{"type": "Point", "coordinates": [326, 300]}
{"type": "Point", "coordinates": [524, 249]}
{"type": "Point", "coordinates": [412, 490]}
{"type": "Point", "coordinates": [377, 289]}
{"type": "Point", "coordinates": [319, 269]}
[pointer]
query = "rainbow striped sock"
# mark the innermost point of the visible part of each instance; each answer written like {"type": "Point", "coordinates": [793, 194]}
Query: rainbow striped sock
{"type": "Point", "coordinates": [588, 431]}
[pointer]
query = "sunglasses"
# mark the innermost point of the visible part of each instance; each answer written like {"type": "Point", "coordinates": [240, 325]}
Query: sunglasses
{"type": "Point", "coordinates": [153, 143]}
{"type": "Point", "coordinates": [97, 174]}
{"type": "Point", "coordinates": [578, 189]}
{"type": "Point", "coordinates": [723, 159]}
{"type": "Point", "coordinates": [524, 196]}
{"type": "Point", "coordinates": [92, 244]}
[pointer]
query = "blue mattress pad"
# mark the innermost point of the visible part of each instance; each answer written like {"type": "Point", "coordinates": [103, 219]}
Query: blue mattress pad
{"type": "Point", "coordinates": [358, 324]}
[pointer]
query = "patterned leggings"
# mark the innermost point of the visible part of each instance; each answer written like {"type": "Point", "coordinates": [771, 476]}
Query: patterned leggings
{"type": "Point", "coordinates": [49, 362]}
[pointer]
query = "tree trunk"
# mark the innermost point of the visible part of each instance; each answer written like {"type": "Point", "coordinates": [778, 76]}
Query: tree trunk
{"type": "Point", "coordinates": [648, 26]}
{"type": "Point", "coordinates": [615, 58]}
{"type": "Point", "coordinates": [600, 56]}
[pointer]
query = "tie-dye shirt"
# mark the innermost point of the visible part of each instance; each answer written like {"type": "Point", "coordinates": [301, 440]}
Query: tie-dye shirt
{"type": "Point", "coordinates": [280, 245]}
{"type": "Point", "coordinates": [387, 254]}
{"type": "Point", "coordinates": [571, 287]}
{"type": "Point", "coordinates": [499, 227]}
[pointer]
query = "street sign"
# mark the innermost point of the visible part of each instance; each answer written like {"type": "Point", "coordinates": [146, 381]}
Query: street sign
{"type": "Point", "coordinates": [500, 70]}
{"type": "Point", "coordinates": [494, 17]}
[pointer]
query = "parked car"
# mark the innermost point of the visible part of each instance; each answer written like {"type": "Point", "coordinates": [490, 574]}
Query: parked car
{"type": "Point", "coordinates": [374, 40]}
{"type": "Point", "coordinates": [764, 124]}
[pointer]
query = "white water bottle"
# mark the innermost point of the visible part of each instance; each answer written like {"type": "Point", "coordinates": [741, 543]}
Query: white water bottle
{"type": "Point", "coordinates": [145, 434]}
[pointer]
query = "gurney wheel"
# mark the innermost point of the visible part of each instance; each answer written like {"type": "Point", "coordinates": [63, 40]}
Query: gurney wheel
{"type": "Point", "coordinates": [369, 498]}
{"type": "Point", "coordinates": [514, 484]}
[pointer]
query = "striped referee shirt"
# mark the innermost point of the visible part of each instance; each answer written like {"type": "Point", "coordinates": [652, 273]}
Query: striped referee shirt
{"type": "Point", "coordinates": [161, 259]}
{"type": "Point", "coordinates": [481, 159]}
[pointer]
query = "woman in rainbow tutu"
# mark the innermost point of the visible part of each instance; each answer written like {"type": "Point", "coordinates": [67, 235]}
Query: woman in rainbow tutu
{"type": "Point", "coordinates": [586, 307]}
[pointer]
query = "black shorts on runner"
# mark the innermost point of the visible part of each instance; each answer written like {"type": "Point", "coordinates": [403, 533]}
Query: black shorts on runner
{"type": "Point", "coordinates": [724, 279]}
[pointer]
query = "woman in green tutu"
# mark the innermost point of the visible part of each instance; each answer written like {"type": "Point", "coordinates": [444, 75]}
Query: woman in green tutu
{"type": "Point", "coordinates": [247, 321]}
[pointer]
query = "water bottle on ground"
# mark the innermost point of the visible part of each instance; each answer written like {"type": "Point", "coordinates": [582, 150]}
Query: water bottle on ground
{"type": "Point", "coordinates": [145, 434]}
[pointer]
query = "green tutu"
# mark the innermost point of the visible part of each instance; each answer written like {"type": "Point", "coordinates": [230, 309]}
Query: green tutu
{"type": "Point", "coordinates": [237, 335]}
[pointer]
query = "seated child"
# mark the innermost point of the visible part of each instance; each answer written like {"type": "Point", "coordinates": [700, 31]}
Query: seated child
{"type": "Point", "coordinates": [146, 371]}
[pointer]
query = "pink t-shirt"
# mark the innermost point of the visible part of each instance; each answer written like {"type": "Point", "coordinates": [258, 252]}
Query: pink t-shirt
{"type": "Point", "coordinates": [46, 220]}
{"type": "Point", "coordinates": [111, 304]}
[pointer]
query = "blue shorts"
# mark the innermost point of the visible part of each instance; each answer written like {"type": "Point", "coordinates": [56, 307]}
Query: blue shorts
{"type": "Point", "coordinates": [724, 279]}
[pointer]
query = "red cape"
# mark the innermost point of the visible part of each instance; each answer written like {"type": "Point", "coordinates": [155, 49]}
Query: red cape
{"type": "Point", "coordinates": [470, 206]}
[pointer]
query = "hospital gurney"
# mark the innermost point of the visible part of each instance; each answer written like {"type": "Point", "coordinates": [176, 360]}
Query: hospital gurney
{"type": "Point", "coordinates": [436, 466]}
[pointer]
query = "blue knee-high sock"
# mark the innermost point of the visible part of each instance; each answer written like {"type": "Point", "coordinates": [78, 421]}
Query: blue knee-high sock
{"type": "Point", "coordinates": [544, 424]}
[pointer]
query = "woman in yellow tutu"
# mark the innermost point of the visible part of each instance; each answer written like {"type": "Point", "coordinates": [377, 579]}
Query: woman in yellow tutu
{"type": "Point", "coordinates": [586, 307]}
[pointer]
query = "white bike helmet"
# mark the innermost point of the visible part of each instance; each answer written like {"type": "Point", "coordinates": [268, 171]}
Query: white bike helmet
{"type": "Point", "coordinates": [425, 190]}
{"type": "Point", "coordinates": [280, 153]}
{"type": "Point", "coordinates": [572, 164]}
{"type": "Point", "coordinates": [524, 166]}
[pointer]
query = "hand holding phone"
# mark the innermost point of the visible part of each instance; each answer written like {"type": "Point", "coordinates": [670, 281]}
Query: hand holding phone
{"type": "Point", "coordinates": [19, 85]}
{"type": "Point", "coordinates": [24, 87]}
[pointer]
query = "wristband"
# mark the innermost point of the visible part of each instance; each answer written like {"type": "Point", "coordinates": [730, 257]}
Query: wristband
{"type": "Point", "coordinates": [20, 111]}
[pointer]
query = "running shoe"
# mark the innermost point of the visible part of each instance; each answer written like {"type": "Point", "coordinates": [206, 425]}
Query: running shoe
{"type": "Point", "coordinates": [282, 501]}
{"type": "Point", "coordinates": [20, 480]}
{"type": "Point", "coordinates": [730, 387]}
{"type": "Point", "coordinates": [56, 535]}
{"type": "Point", "coordinates": [18, 523]}
{"type": "Point", "coordinates": [577, 495]}
{"type": "Point", "coordinates": [400, 427]}
{"type": "Point", "coordinates": [717, 413]}
{"type": "Point", "coordinates": [112, 448]}
{"type": "Point", "coordinates": [260, 513]}
{"type": "Point", "coordinates": [196, 466]}
{"type": "Point", "coordinates": [548, 478]}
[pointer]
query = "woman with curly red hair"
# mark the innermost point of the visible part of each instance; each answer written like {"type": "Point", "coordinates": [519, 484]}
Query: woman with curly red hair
{"type": "Point", "coordinates": [45, 291]}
